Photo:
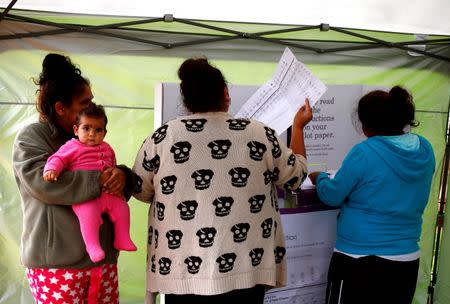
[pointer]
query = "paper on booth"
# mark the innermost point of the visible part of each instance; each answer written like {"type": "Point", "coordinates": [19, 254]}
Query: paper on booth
{"type": "Point", "coordinates": [277, 101]}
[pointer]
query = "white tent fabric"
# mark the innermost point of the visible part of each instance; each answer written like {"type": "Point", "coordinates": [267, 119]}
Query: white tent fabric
{"type": "Point", "coordinates": [419, 16]}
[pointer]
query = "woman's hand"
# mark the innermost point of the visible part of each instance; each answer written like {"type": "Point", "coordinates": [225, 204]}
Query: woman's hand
{"type": "Point", "coordinates": [113, 181]}
{"type": "Point", "coordinates": [313, 177]}
{"type": "Point", "coordinates": [303, 116]}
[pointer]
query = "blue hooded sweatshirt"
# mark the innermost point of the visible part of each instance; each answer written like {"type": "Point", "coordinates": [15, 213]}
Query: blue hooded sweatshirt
{"type": "Point", "coordinates": [382, 189]}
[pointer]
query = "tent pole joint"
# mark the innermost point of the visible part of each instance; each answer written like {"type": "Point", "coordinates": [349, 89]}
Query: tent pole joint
{"type": "Point", "coordinates": [324, 27]}
{"type": "Point", "coordinates": [168, 18]}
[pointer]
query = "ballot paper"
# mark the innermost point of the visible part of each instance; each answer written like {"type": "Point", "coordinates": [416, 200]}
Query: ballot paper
{"type": "Point", "coordinates": [277, 101]}
{"type": "Point", "coordinates": [307, 184]}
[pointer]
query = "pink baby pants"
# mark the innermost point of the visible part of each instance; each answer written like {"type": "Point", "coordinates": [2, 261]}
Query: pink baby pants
{"type": "Point", "coordinates": [89, 214]}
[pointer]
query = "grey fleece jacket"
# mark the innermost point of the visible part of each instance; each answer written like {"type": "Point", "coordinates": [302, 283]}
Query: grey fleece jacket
{"type": "Point", "coordinates": [51, 236]}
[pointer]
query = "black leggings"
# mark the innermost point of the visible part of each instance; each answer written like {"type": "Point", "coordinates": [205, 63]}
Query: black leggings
{"type": "Point", "coordinates": [253, 295]}
{"type": "Point", "coordinates": [370, 279]}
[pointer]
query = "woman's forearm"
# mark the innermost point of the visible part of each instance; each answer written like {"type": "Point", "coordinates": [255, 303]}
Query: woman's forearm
{"type": "Point", "coordinates": [297, 141]}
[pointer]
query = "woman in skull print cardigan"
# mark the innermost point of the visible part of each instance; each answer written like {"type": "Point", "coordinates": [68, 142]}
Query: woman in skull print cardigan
{"type": "Point", "coordinates": [214, 224]}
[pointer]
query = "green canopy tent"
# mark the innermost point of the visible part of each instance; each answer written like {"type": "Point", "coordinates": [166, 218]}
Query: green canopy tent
{"type": "Point", "coordinates": [125, 57]}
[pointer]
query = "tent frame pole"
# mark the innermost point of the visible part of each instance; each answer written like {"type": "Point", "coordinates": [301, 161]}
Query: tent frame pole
{"type": "Point", "coordinates": [230, 34]}
{"type": "Point", "coordinates": [96, 29]}
{"type": "Point", "coordinates": [7, 9]}
{"type": "Point", "coordinates": [389, 44]}
{"type": "Point", "coordinates": [442, 201]}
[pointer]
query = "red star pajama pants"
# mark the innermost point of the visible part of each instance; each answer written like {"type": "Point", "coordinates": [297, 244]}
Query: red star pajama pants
{"type": "Point", "coordinates": [77, 286]}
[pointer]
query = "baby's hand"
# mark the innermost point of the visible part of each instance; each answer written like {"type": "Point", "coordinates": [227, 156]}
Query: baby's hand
{"type": "Point", "coordinates": [51, 175]}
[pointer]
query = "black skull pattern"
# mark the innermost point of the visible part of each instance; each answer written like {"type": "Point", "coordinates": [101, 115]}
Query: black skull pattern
{"type": "Point", "coordinates": [304, 176]}
{"type": "Point", "coordinates": [238, 124]}
{"type": "Point", "coordinates": [160, 207]}
{"type": "Point", "coordinates": [168, 184]}
{"type": "Point", "coordinates": [219, 148]}
{"type": "Point", "coordinates": [279, 253]}
{"type": "Point", "coordinates": [240, 232]}
{"type": "Point", "coordinates": [275, 174]}
{"type": "Point", "coordinates": [187, 209]}
{"type": "Point", "coordinates": [291, 160]}
{"type": "Point", "coordinates": [256, 203]}
{"type": "Point", "coordinates": [150, 235]}
{"type": "Point", "coordinates": [267, 177]}
{"type": "Point", "coordinates": [276, 150]}
{"type": "Point", "coordinates": [271, 176]}
{"type": "Point", "coordinates": [193, 264]}
{"type": "Point", "coordinates": [164, 265]}
{"type": "Point", "coordinates": [194, 125]}
{"type": "Point", "coordinates": [159, 135]}
{"type": "Point", "coordinates": [206, 236]}
{"type": "Point", "coordinates": [156, 238]}
{"type": "Point", "coordinates": [226, 262]}
{"type": "Point", "coordinates": [267, 228]}
{"type": "Point", "coordinates": [180, 151]}
{"type": "Point", "coordinates": [270, 134]}
{"type": "Point", "coordinates": [257, 150]}
{"type": "Point", "coordinates": [290, 183]}
{"type": "Point", "coordinates": [174, 238]}
{"type": "Point", "coordinates": [275, 202]}
{"type": "Point", "coordinates": [256, 255]}
{"type": "Point", "coordinates": [153, 267]}
{"type": "Point", "coordinates": [223, 205]}
{"type": "Point", "coordinates": [137, 183]}
{"type": "Point", "coordinates": [202, 178]}
{"type": "Point", "coordinates": [271, 196]}
{"type": "Point", "coordinates": [239, 176]}
{"type": "Point", "coordinates": [274, 197]}
{"type": "Point", "coordinates": [151, 165]}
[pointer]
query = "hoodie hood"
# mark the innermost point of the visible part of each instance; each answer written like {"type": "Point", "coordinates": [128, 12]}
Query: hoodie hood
{"type": "Point", "coordinates": [410, 156]}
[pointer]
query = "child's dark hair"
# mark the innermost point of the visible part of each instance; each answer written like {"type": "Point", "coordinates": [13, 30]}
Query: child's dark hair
{"type": "Point", "coordinates": [93, 110]}
{"type": "Point", "coordinates": [384, 113]}
{"type": "Point", "coordinates": [60, 80]}
{"type": "Point", "coordinates": [202, 85]}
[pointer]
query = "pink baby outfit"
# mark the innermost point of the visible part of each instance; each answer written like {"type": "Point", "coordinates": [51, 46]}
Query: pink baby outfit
{"type": "Point", "coordinates": [74, 155]}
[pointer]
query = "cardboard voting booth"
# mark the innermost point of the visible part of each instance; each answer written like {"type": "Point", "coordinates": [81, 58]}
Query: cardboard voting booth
{"type": "Point", "coordinates": [309, 225]}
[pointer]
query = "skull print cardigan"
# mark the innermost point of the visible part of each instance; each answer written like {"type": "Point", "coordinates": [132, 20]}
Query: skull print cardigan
{"type": "Point", "coordinates": [214, 224]}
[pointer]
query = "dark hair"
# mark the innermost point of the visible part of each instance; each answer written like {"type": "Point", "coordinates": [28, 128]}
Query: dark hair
{"type": "Point", "coordinates": [384, 113]}
{"type": "Point", "coordinates": [60, 80]}
{"type": "Point", "coordinates": [93, 110]}
{"type": "Point", "coordinates": [202, 85]}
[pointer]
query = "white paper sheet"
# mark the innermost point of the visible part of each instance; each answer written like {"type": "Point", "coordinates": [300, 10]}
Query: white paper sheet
{"type": "Point", "coordinates": [277, 101]}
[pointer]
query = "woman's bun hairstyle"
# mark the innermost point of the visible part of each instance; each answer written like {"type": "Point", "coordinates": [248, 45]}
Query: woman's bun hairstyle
{"type": "Point", "coordinates": [387, 113]}
{"type": "Point", "coordinates": [59, 81]}
{"type": "Point", "coordinates": [202, 85]}
{"type": "Point", "coordinates": [56, 67]}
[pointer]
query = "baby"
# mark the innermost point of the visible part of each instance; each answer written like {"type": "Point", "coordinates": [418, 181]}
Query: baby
{"type": "Point", "coordinates": [90, 152]}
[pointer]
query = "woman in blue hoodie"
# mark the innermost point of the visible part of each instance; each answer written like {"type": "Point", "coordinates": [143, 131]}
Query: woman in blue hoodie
{"type": "Point", "coordinates": [382, 189]}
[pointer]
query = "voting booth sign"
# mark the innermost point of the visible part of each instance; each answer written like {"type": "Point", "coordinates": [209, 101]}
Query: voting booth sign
{"type": "Point", "coordinates": [329, 136]}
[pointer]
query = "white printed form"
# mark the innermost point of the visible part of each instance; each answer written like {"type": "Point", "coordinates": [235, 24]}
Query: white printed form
{"type": "Point", "coordinates": [277, 101]}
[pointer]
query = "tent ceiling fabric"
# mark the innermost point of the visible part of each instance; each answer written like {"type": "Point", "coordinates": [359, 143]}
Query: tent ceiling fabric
{"type": "Point", "coordinates": [182, 32]}
{"type": "Point", "coordinates": [405, 16]}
